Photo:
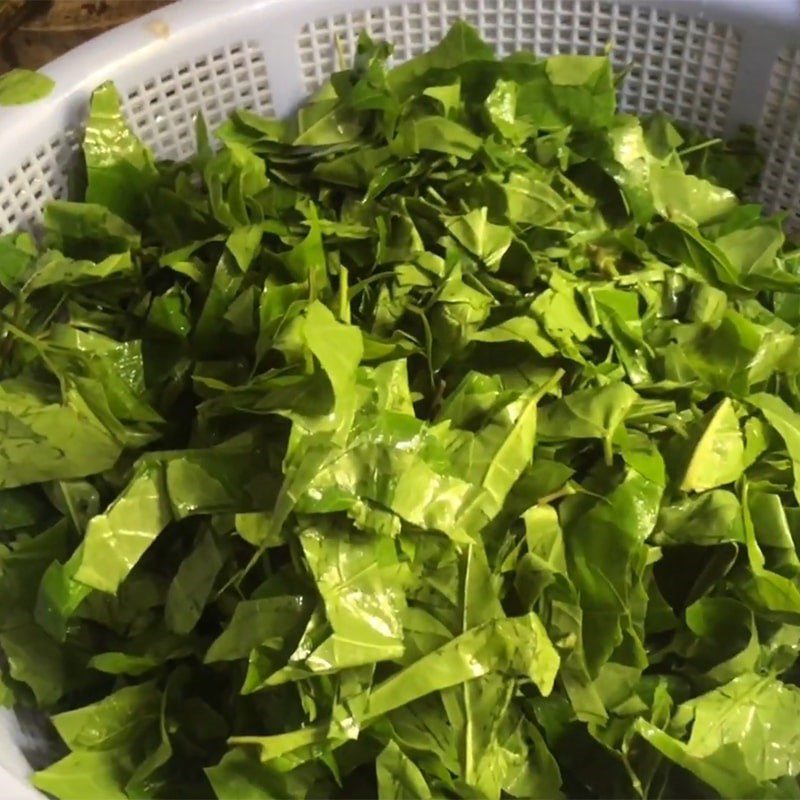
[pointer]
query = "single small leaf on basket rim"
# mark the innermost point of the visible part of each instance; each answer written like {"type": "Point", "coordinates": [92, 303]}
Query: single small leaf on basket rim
{"type": "Point", "coordinates": [20, 86]}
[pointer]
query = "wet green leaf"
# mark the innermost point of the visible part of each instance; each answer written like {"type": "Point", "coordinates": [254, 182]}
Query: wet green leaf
{"type": "Point", "coordinates": [20, 86]}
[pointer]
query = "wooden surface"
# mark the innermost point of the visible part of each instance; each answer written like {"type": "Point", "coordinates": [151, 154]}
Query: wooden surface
{"type": "Point", "coordinates": [34, 32]}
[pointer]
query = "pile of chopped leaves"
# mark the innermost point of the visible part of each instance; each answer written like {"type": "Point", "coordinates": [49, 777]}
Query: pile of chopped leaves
{"type": "Point", "coordinates": [440, 442]}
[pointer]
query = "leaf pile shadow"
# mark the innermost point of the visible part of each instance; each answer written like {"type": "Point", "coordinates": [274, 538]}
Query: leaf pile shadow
{"type": "Point", "coordinates": [440, 442]}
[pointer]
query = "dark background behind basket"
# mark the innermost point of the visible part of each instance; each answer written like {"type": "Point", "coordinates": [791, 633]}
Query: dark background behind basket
{"type": "Point", "coordinates": [33, 32]}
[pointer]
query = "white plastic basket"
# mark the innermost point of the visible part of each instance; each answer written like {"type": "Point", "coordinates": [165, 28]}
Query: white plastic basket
{"type": "Point", "coordinates": [714, 64]}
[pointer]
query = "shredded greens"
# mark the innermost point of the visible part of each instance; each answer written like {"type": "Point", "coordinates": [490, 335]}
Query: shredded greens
{"type": "Point", "coordinates": [440, 442]}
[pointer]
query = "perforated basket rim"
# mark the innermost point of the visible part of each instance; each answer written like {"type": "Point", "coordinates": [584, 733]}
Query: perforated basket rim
{"type": "Point", "coordinates": [140, 48]}
{"type": "Point", "coordinates": [772, 22]}
{"type": "Point", "coordinates": [194, 25]}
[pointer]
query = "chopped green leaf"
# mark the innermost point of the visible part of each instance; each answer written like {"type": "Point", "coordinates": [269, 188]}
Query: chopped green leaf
{"type": "Point", "coordinates": [20, 86]}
